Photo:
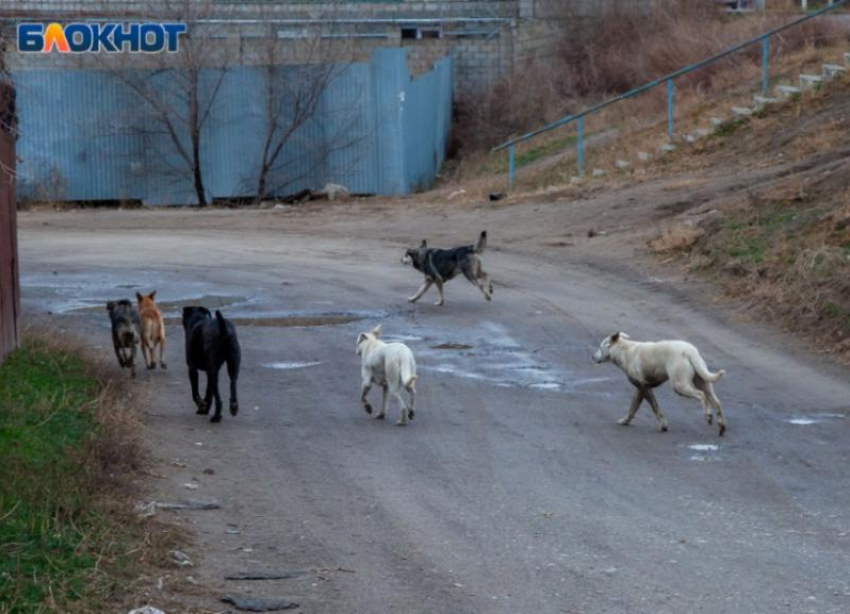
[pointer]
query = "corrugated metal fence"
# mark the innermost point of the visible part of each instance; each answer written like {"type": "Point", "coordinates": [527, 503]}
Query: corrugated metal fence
{"type": "Point", "coordinates": [10, 304]}
{"type": "Point", "coordinates": [87, 137]}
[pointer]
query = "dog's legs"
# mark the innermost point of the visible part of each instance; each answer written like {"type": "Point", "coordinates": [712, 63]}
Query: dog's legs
{"type": "Point", "coordinates": [686, 389]}
{"type": "Point", "coordinates": [132, 360]}
{"type": "Point", "coordinates": [162, 364]}
{"type": "Point", "coordinates": [365, 387]}
{"type": "Point", "coordinates": [636, 401]}
{"type": "Point", "coordinates": [213, 382]}
{"type": "Point", "coordinates": [439, 284]}
{"type": "Point", "coordinates": [421, 291]}
{"type": "Point", "coordinates": [485, 285]}
{"type": "Point", "coordinates": [119, 354]}
{"type": "Point", "coordinates": [233, 374]}
{"type": "Point", "coordinates": [402, 418]}
{"type": "Point", "coordinates": [384, 400]}
{"type": "Point", "coordinates": [145, 353]}
{"type": "Point", "coordinates": [203, 408]}
{"type": "Point", "coordinates": [708, 389]}
{"type": "Point", "coordinates": [656, 409]}
{"type": "Point", "coordinates": [411, 394]}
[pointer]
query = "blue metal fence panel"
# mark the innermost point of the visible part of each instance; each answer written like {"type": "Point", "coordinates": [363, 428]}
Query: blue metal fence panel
{"type": "Point", "coordinates": [86, 136]}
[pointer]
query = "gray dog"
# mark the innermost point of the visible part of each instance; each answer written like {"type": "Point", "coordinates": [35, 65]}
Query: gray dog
{"type": "Point", "coordinates": [441, 265]}
{"type": "Point", "coordinates": [125, 332]}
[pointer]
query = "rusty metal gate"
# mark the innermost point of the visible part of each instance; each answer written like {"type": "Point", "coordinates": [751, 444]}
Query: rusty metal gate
{"type": "Point", "coordinates": [10, 302]}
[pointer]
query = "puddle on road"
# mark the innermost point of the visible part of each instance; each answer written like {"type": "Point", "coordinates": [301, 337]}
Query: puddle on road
{"type": "Point", "coordinates": [299, 321]}
{"type": "Point", "coordinates": [210, 301]}
{"type": "Point", "coordinates": [290, 365]}
{"type": "Point", "coordinates": [814, 419]}
{"type": "Point", "coordinates": [488, 354]}
{"type": "Point", "coordinates": [704, 452]}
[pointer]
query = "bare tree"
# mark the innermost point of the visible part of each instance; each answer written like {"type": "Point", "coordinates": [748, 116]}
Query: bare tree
{"type": "Point", "coordinates": [300, 67]}
{"type": "Point", "coordinates": [178, 91]}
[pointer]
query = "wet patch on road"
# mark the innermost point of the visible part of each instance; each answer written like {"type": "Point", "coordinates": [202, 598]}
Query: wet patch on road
{"type": "Point", "coordinates": [285, 366]}
{"type": "Point", "coordinates": [814, 419]}
{"type": "Point", "coordinates": [703, 452]}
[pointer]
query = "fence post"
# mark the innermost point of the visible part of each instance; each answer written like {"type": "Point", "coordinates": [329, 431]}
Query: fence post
{"type": "Point", "coordinates": [580, 146]}
{"type": "Point", "coordinates": [512, 165]}
{"type": "Point", "coordinates": [765, 50]}
{"type": "Point", "coordinates": [670, 108]}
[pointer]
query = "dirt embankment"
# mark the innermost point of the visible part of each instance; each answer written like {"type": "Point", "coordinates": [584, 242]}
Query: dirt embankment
{"type": "Point", "coordinates": [781, 240]}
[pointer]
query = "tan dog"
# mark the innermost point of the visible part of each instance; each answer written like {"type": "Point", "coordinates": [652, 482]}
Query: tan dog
{"type": "Point", "coordinates": [152, 329]}
{"type": "Point", "coordinates": [648, 365]}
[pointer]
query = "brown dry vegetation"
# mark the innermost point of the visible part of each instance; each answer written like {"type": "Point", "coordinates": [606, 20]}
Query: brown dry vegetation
{"type": "Point", "coordinates": [782, 242]}
{"type": "Point", "coordinates": [80, 544]}
{"type": "Point", "coordinates": [620, 51]}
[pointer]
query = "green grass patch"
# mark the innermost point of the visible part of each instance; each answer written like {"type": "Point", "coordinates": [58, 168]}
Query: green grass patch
{"type": "Point", "coordinates": [52, 535]}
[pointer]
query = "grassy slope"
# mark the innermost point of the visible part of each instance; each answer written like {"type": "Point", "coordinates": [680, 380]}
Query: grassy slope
{"type": "Point", "coordinates": [58, 537]}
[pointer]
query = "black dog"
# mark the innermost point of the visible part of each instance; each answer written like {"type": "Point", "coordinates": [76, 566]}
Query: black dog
{"type": "Point", "coordinates": [441, 265]}
{"type": "Point", "coordinates": [210, 342]}
{"type": "Point", "coordinates": [125, 332]}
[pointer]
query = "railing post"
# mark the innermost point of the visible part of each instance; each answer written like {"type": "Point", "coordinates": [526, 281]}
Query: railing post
{"type": "Point", "coordinates": [670, 108]}
{"type": "Point", "coordinates": [580, 146]}
{"type": "Point", "coordinates": [765, 51]}
{"type": "Point", "coordinates": [512, 164]}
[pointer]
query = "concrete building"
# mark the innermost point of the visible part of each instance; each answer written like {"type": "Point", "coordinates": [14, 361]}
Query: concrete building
{"type": "Point", "coordinates": [487, 38]}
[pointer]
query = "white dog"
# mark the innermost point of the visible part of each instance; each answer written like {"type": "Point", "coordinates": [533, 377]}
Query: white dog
{"type": "Point", "coordinates": [390, 366]}
{"type": "Point", "coordinates": [648, 365]}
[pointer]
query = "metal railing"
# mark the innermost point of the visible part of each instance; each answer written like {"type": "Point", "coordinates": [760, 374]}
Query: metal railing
{"type": "Point", "coordinates": [578, 118]}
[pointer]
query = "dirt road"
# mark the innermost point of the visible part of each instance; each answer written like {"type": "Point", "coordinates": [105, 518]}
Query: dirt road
{"type": "Point", "coordinates": [514, 490]}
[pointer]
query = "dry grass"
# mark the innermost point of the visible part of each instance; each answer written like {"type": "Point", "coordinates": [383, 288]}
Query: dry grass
{"type": "Point", "coordinates": [79, 545]}
{"type": "Point", "coordinates": [676, 238]}
{"type": "Point", "coordinates": [586, 71]}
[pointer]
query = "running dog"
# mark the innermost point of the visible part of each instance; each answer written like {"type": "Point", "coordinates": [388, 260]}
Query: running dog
{"type": "Point", "coordinates": [125, 335]}
{"type": "Point", "coordinates": [648, 365]}
{"type": "Point", "coordinates": [153, 330]}
{"type": "Point", "coordinates": [392, 367]}
{"type": "Point", "coordinates": [211, 342]}
{"type": "Point", "coordinates": [440, 265]}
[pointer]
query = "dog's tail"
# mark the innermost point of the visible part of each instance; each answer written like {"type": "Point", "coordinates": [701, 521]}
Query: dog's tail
{"type": "Point", "coordinates": [222, 323]}
{"type": "Point", "coordinates": [482, 243]}
{"type": "Point", "coordinates": [702, 369]}
{"type": "Point", "coordinates": [409, 382]}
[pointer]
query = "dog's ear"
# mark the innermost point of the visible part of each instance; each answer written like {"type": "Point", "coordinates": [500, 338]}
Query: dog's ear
{"type": "Point", "coordinates": [361, 338]}
{"type": "Point", "coordinates": [377, 331]}
{"type": "Point", "coordinates": [152, 294]}
{"type": "Point", "coordinates": [615, 338]}
{"type": "Point", "coordinates": [110, 305]}
{"type": "Point", "coordinates": [139, 296]}
{"type": "Point", "coordinates": [424, 244]}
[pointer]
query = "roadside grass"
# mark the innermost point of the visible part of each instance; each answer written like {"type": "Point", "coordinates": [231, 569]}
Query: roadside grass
{"type": "Point", "coordinates": [69, 459]}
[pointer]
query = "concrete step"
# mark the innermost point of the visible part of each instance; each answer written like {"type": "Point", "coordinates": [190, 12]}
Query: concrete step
{"type": "Point", "coordinates": [786, 91]}
{"type": "Point", "coordinates": [715, 122]}
{"type": "Point", "coordinates": [762, 101]}
{"type": "Point", "coordinates": [701, 132]}
{"type": "Point", "coordinates": [742, 111]}
{"type": "Point", "coordinates": [668, 147]}
{"type": "Point", "coordinates": [809, 81]}
{"type": "Point", "coordinates": [622, 164]}
{"type": "Point", "coordinates": [847, 58]}
{"type": "Point", "coordinates": [833, 70]}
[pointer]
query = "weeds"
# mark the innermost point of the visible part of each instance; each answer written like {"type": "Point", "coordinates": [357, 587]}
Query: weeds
{"type": "Point", "coordinates": [68, 450]}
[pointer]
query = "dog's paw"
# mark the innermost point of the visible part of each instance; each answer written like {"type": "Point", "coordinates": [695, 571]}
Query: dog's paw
{"type": "Point", "coordinates": [401, 423]}
{"type": "Point", "coordinates": [490, 288]}
{"type": "Point", "coordinates": [368, 408]}
{"type": "Point", "coordinates": [722, 429]}
{"type": "Point", "coordinates": [663, 428]}
{"type": "Point", "coordinates": [380, 416]}
{"type": "Point", "coordinates": [410, 414]}
{"type": "Point", "coordinates": [151, 366]}
{"type": "Point", "coordinates": [234, 409]}
{"type": "Point", "coordinates": [203, 408]}
{"type": "Point", "coordinates": [412, 299]}
{"type": "Point", "coordinates": [623, 421]}
{"type": "Point", "coordinates": [709, 418]}
{"type": "Point", "coordinates": [438, 304]}
{"type": "Point", "coordinates": [163, 366]}
{"type": "Point", "coordinates": [216, 418]}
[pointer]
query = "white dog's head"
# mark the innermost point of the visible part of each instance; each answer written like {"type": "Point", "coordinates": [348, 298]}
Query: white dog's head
{"type": "Point", "coordinates": [367, 337]}
{"type": "Point", "coordinates": [603, 354]}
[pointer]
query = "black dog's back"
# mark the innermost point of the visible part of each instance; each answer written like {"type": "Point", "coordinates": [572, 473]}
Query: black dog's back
{"type": "Point", "coordinates": [211, 342]}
